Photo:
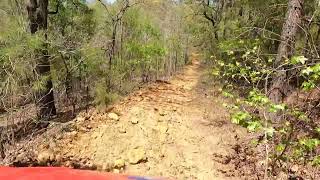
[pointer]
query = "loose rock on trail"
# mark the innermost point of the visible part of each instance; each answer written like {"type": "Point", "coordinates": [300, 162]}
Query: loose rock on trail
{"type": "Point", "coordinates": [176, 129]}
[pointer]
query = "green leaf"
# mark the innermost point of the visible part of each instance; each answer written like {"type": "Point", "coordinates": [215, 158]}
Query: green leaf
{"type": "Point", "coordinates": [307, 71]}
{"type": "Point", "coordinates": [316, 161]}
{"type": "Point", "coordinates": [254, 142]}
{"type": "Point", "coordinates": [270, 131]}
{"type": "Point", "coordinates": [227, 94]}
{"type": "Point", "coordinates": [298, 59]}
{"type": "Point", "coordinates": [316, 68]}
{"type": "Point", "coordinates": [240, 118]}
{"type": "Point", "coordinates": [230, 53]}
{"type": "Point", "coordinates": [283, 130]}
{"type": "Point", "coordinates": [303, 117]}
{"type": "Point", "coordinates": [280, 148]}
{"type": "Point", "coordinates": [215, 72]}
{"type": "Point", "coordinates": [258, 98]}
{"type": "Point", "coordinates": [309, 144]}
{"type": "Point", "coordinates": [254, 126]}
{"type": "Point", "coordinates": [308, 85]}
{"type": "Point", "coordinates": [277, 107]}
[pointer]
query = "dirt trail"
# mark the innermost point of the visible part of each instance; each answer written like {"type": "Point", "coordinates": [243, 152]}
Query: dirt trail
{"type": "Point", "coordinates": [178, 129]}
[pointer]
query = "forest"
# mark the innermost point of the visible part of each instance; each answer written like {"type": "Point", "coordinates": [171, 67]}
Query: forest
{"type": "Point", "coordinates": [235, 82]}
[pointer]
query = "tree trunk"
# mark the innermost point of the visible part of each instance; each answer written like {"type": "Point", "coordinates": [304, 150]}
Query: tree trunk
{"type": "Point", "coordinates": [286, 48]}
{"type": "Point", "coordinates": [186, 55]}
{"type": "Point", "coordinates": [176, 61]}
{"type": "Point", "coordinates": [113, 44]}
{"type": "Point", "coordinates": [38, 20]}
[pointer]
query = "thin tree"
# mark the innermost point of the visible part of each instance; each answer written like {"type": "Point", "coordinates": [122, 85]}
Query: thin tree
{"type": "Point", "coordinates": [115, 21]}
{"type": "Point", "coordinates": [38, 20]}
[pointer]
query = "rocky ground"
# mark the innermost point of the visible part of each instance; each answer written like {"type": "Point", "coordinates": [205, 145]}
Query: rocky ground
{"type": "Point", "coordinates": [176, 129]}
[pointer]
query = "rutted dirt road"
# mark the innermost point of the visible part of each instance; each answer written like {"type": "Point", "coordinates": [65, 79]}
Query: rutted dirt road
{"type": "Point", "coordinates": [175, 129]}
